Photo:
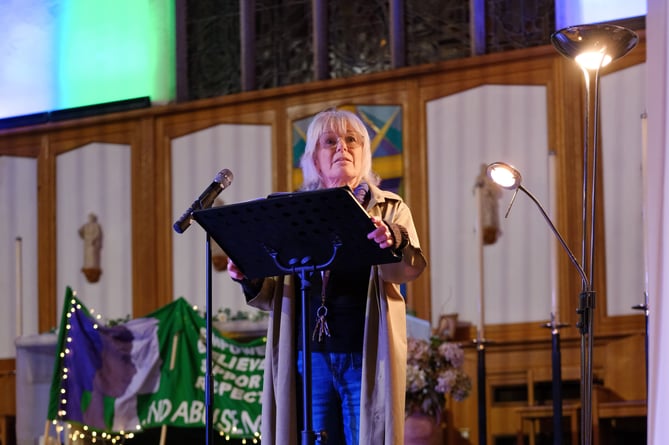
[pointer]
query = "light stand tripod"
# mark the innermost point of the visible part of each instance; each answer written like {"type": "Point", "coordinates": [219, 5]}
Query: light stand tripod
{"type": "Point", "coordinates": [222, 180]}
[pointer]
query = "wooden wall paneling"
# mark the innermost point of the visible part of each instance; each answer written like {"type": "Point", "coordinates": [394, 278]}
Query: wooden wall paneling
{"type": "Point", "coordinates": [46, 236]}
{"type": "Point", "coordinates": [7, 385]}
{"type": "Point", "coordinates": [563, 137]}
{"type": "Point", "coordinates": [21, 144]}
{"type": "Point", "coordinates": [8, 401]}
{"type": "Point", "coordinates": [145, 194]}
{"type": "Point", "coordinates": [283, 160]}
{"type": "Point", "coordinates": [163, 209]}
{"type": "Point", "coordinates": [522, 68]}
{"type": "Point", "coordinates": [567, 108]}
{"type": "Point", "coordinates": [176, 124]}
{"type": "Point", "coordinates": [73, 135]}
{"type": "Point", "coordinates": [33, 145]}
{"type": "Point", "coordinates": [415, 162]}
{"type": "Point", "coordinates": [625, 365]}
{"type": "Point", "coordinates": [523, 364]}
{"type": "Point", "coordinates": [516, 67]}
{"type": "Point", "coordinates": [521, 346]}
{"type": "Point", "coordinates": [610, 325]}
{"type": "Point", "coordinates": [623, 102]}
{"type": "Point", "coordinates": [527, 67]}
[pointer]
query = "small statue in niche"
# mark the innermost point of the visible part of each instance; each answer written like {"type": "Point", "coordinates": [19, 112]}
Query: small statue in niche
{"type": "Point", "coordinates": [91, 233]}
{"type": "Point", "coordinates": [490, 194]}
{"type": "Point", "coordinates": [219, 259]}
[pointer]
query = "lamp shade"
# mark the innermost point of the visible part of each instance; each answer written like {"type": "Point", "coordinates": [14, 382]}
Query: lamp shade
{"type": "Point", "coordinates": [606, 42]}
{"type": "Point", "coordinates": [504, 175]}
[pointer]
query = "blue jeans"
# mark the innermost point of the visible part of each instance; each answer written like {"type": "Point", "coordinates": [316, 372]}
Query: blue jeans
{"type": "Point", "coordinates": [335, 388]}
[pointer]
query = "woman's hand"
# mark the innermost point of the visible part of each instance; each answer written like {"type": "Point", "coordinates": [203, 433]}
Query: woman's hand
{"type": "Point", "coordinates": [381, 235]}
{"type": "Point", "coordinates": [234, 271]}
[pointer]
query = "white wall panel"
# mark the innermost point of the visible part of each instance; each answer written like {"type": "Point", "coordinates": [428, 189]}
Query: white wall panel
{"type": "Point", "coordinates": [480, 126]}
{"type": "Point", "coordinates": [95, 179]}
{"type": "Point", "coordinates": [18, 261]}
{"type": "Point", "coordinates": [622, 105]}
{"type": "Point", "coordinates": [246, 150]}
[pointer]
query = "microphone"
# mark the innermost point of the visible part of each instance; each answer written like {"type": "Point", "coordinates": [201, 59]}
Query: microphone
{"type": "Point", "coordinates": [222, 180]}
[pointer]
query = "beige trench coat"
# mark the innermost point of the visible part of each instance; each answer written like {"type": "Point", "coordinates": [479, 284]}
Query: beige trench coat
{"type": "Point", "coordinates": [384, 349]}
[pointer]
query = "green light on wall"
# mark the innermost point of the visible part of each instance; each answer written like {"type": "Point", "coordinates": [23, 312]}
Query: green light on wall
{"type": "Point", "coordinates": [115, 49]}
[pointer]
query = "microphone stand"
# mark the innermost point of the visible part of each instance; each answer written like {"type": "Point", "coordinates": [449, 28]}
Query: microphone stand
{"type": "Point", "coordinates": [222, 180]}
{"type": "Point", "coordinates": [209, 378]}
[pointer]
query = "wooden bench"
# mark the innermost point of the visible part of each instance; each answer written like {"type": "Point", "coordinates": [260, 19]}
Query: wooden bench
{"type": "Point", "coordinates": [605, 405]}
{"type": "Point", "coordinates": [608, 405]}
{"type": "Point", "coordinates": [540, 418]}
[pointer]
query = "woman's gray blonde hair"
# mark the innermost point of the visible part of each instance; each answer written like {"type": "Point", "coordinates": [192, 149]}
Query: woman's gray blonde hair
{"type": "Point", "coordinates": [337, 121]}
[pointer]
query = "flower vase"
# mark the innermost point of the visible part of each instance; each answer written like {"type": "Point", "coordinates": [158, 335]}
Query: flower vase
{"type": "Point", "coordinates": [422, 429]}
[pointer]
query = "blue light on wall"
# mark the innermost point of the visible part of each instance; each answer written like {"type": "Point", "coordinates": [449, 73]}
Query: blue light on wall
{"type": "Point", "coordinates": [58, 54]}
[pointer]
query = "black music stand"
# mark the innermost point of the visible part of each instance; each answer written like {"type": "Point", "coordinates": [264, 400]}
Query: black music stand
{"type": "Point", "coordinates": [299, 233]}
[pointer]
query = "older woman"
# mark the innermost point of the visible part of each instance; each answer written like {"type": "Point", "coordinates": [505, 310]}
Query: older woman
{"type": "Point", "coordinates": [358, 349]}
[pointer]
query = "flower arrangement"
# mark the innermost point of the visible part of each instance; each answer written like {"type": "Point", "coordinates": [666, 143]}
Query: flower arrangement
{"type": "Point", "coordinates": [248, 323]}
{"type": "Point", "coordinates": [226, 314]}
{"type": "Point", "coordinates": [434, 371]}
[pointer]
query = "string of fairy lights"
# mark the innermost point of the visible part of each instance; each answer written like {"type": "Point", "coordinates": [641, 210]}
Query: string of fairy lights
{"type": "Point", "coordinates": [75, 433]}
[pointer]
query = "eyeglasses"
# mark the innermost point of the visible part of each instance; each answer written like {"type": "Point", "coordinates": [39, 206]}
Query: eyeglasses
{"type": "Point", "coordinates": [330, 141]}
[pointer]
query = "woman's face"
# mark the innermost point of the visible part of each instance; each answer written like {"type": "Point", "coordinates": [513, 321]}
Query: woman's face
{"type": "Point", "coordinates": [339, 158]}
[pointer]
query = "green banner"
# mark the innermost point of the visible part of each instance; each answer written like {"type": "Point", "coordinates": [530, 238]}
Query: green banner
{"type": "Point", "coordinates": [151, 372]}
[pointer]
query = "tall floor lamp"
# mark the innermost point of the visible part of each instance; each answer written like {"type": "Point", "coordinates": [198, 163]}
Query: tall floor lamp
{"type": "Point", "coordinates": [506, 176]}
{"type": "Point", "coordinates": [592, 47]}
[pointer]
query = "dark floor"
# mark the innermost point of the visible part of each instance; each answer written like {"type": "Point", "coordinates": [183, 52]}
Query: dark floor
{"type": "Point", "coordinates": [181, 436]}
